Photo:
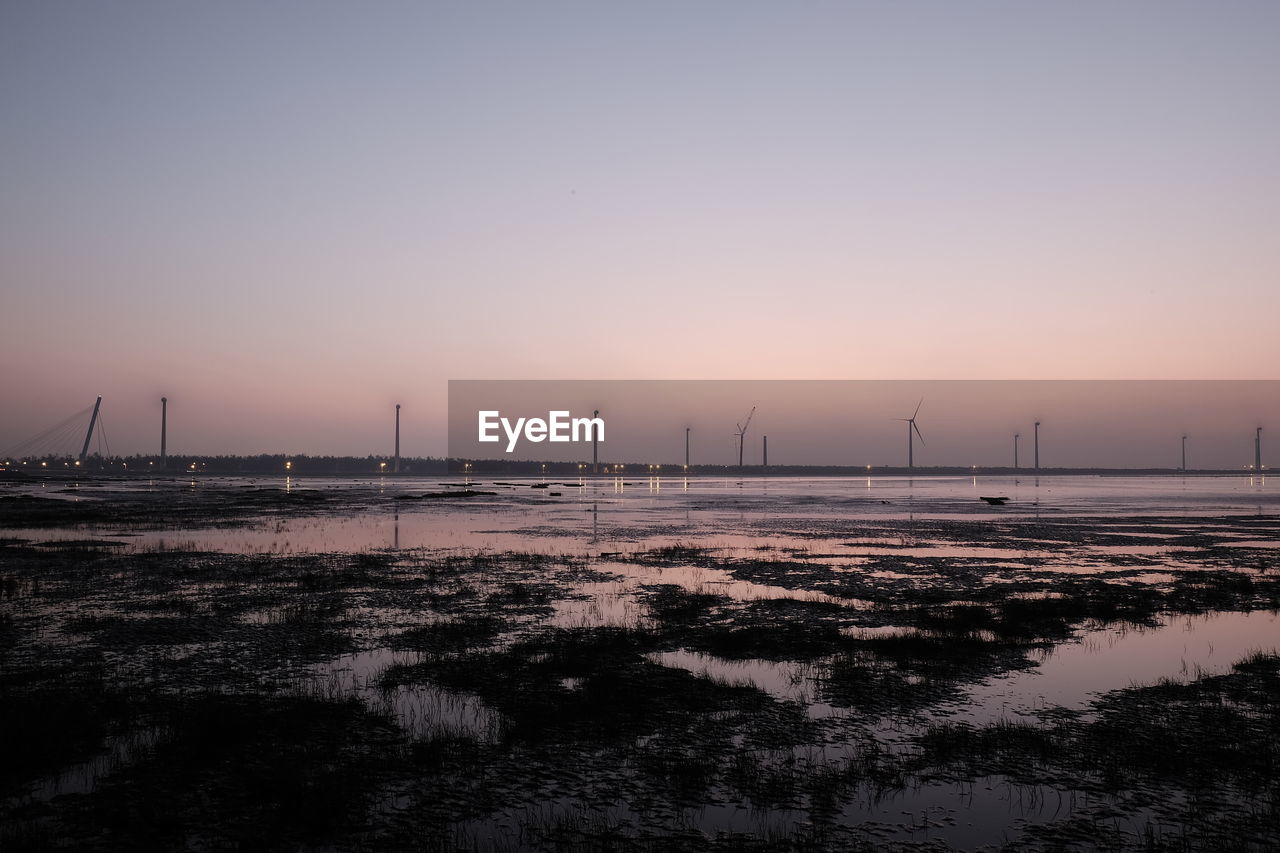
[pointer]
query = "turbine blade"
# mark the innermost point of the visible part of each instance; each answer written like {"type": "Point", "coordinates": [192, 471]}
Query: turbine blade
{"type": "Point", "coordinates": [918, 405]}
{"type": "Point", "coordinates": [917, 429]}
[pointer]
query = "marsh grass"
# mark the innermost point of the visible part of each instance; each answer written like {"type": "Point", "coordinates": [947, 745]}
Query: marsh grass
{"type": "Point", "coordinates": [672, 604]}
{"type": "Point", "coordinates": [46, 727]}
{"type": "Point", "coordinates": [451, 636]}
{"type": "Point", "coordinates": [236, 770]}
{"type": "Point", "coordinates": [489, 725]}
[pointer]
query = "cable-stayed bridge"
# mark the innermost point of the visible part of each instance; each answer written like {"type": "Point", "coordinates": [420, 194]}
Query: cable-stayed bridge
{"type": "Point", "coordinates": [70, 436]}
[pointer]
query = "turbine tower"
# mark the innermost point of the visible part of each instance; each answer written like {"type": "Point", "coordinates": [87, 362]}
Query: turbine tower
{"type": "Point", "coordinates": [164, 432]}
{"type": "Point", "coordinates": [1257, 449]}
{"type": "Point", "coordinates": [396, 468]}
{"type": "Point", "coordinates": [1016, 436]}
{"type": "Point", "coordinates": [911, 426]}
{"type": "Point", "coordinates": [1037, 445]}
{"type": "Point", "coordinates": [1184, 453]}
{"type": "Point", "coordinates": [595, 438]}
{"type": "Point", "coordinates": [742, 433]}
{"type": "Point", "coordinates": [686, 448]}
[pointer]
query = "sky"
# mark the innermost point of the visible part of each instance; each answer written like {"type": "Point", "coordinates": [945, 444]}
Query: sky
{"type": "Point", "coordinates": [289, 216]}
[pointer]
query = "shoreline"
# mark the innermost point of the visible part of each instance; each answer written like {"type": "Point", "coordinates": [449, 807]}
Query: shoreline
{"type": "Point", "coordinates": [734, 684]}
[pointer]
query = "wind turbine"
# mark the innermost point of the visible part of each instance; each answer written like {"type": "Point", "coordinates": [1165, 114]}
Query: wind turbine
{"type": "Point", "coordinates": [911, 425]}
{"type": "Point", "coordinates": [742, 433]}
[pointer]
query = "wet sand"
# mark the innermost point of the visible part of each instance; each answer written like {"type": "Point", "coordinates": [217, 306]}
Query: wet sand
{"type": "Point", "coordinates": [646, 664]}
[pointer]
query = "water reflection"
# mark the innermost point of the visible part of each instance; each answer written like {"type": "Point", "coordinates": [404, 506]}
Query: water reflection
{"type": "Point", "coordinates": [1073, 674]}
{"type": "Point", "coordinates": [792, 511]}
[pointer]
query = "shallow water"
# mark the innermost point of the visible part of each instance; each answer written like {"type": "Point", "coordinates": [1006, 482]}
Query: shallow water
{"type": "Point", "coordinates": [1072, 674]}
{"type": "Point", "coordinates": [607, 513]}
{"type": "Point", "coordinates": [1068, 675]}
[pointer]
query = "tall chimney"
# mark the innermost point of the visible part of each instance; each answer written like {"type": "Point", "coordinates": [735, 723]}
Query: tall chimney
{"type": "Point", "coordinates": [164, 431]}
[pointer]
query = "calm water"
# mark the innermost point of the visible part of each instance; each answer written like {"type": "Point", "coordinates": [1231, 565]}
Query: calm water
{"type": "Point", "coordinates": [625, 513]}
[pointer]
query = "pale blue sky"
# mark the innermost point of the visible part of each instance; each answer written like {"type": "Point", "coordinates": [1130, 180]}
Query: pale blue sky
{"type": "Point", "coordinates": [287, 216]}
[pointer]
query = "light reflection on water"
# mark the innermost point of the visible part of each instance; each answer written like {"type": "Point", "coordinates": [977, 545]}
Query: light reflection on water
{"type": "Point", "coordinates": [1072, 674]}
{"type": "Point", "coordinates": [424, 711]}
{"type": "Point", "coordinates": [604, 511]}
{"type": "Point", "coordinates": [1069, 675]}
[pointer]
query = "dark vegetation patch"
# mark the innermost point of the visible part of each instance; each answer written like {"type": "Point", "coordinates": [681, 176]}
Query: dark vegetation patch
{"type": "Point", "coordinates": [770, 629]}
{"type": "Point", "coordinates": [449, 637]}
{"type": "Point", "coordinates": [457, 494]}
{"type": "Point", "coordinates": [767, 639]}
{"type": "Point", "coordinates": [571, 685]}
{"type": "Point", "coordinates": [232, 771]}
{"type": "Point", "coordinates": [126, 634]}
{"type": "Point", "coordinates": [676, 554]}
{"type": "Point", "coordinates": [1013, 616]}
{"type": "Point", "coordinates": [674, 605]}
{"type": "Point", "coordinates": [50, 725]}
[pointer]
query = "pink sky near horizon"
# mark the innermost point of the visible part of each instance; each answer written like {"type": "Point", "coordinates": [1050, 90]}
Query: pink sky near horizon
{"type": "Point", "coordinates": [288, 218]}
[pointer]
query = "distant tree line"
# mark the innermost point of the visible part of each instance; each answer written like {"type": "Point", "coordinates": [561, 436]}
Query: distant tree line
{"type": "Point", "coordinates": [283, 464]}
{"type": "Point", "coordinates": [265, 463]}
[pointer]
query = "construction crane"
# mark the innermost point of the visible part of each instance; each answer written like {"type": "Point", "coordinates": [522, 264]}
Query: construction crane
{"type": "Point", "coordinates": [742, 433]}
